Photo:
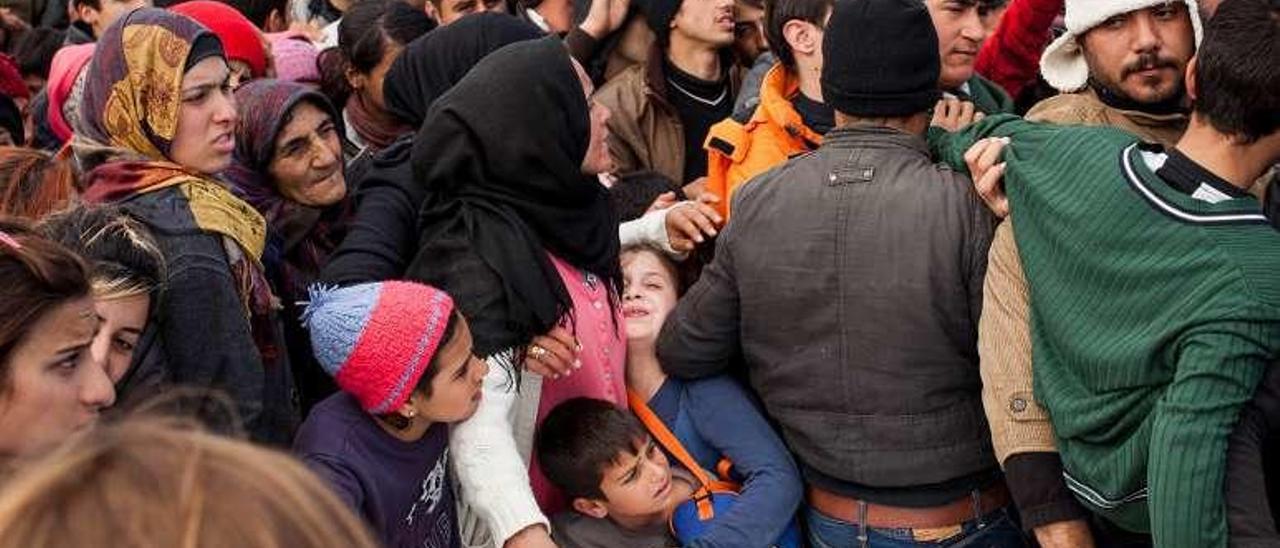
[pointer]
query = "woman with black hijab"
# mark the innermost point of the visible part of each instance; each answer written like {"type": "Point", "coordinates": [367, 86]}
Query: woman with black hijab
{"type": "Point", "coordinates": [435, 62]}
{"type": "Point", "coordinates": [519, 231]}
{"type": "Point", "coordinates": [380, 241]}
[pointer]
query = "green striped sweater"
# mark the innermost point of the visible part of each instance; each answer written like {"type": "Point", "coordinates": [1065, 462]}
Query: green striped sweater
{"type": "Point", "coordinates": [1153, 316]}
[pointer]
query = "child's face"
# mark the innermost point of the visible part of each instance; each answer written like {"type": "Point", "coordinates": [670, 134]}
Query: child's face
{"type": "Point", "coordinates": [648, 295]}
{"type": "Point", "coordinates": [638, 487]}
{"type": "Point", "coordinates": [455, 390]}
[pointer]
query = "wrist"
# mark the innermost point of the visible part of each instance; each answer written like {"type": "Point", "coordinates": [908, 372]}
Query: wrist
{"type": "Point", "coordinates": [595, 29]}
{"type": "Point", "coordinates": [532, 533]}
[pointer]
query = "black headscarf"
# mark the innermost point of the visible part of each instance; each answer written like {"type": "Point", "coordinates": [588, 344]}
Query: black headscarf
{"type": "Point", "coordinates": [504, 183]}
{"type": "Point", "coordinates": [434, 62]}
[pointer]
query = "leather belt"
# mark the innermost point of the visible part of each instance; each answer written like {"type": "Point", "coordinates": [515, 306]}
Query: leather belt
{"type": "Point", "coordinates": [897, 517]}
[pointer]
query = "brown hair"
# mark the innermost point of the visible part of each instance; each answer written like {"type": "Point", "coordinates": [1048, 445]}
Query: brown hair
{"type": "Point", "coordinates": [33, 183]}
{"type": "Point", "coordinates": [150, 482]}
{"type": "Point", "coordinates": [665, 260]}
{"type": "Point", "coordinates": [37, 275]}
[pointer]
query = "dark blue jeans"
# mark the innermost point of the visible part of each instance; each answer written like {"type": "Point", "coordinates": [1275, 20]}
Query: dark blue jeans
{"type": "Point", "coordinates": [997, 529]}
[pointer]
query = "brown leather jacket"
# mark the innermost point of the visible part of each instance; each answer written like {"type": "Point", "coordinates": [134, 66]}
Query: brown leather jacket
{"type": "Point", "coordinates": [645, 131]}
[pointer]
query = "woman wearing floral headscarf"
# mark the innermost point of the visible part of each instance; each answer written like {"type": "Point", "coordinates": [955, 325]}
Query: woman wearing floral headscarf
{"type": "Point", "coordinates": [288, 165]}
{"type": "Point", "coordinates": [157, 121]}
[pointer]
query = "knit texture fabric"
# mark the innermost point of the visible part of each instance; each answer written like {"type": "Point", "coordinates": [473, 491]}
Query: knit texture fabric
{"type": "Point", "coordinates": [377, 339]}
{"type": "Point", "coordinates": [881, 58]}
{"type": "Point", "coordinates": [1153, 317]}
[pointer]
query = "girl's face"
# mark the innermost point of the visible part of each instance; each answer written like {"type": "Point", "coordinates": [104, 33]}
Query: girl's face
{"type": "Point", "coordinates": [55, 386]}
{"type": "Point", "coordinates": [205, 136]}
{"type": "Point", "coordinates": [369, 86]}
{"type": "Point", "coordinates": [648, 295]}
{"type": "Point", "coordinates": [122, 320]}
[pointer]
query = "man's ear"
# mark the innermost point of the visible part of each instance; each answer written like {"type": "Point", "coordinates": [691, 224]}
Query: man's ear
{"type": "Point", "coordinates": [87, 14]}
{"type": "Point", "coordinates": [800, 36]}
{"type": "Point", "coordinates": [591, 507]}
{"type": "Point", "coordinates": [276, 22]}
{"type": "Point", "coordinates": [1193, 67]}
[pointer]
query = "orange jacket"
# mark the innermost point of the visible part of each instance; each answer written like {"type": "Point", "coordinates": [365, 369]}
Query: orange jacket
{"type": "Point", "coordinates": [738, 150]}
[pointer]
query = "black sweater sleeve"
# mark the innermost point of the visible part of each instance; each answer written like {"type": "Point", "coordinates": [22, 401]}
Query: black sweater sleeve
{"type": "Point", "coordinates": [383, 234]}
{"type": "Point", "coordinates": [1252, 468]}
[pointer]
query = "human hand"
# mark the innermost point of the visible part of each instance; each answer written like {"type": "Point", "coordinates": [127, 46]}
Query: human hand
{"type": "Point", "coordinates": [953, 114]}
{"type": "Point", "coordinates": [553, 355]}
{"type": "Point", "coordinates": [663, 201]}
{"type": "Point", "coordinates": [983, 159]}
{"type": "Point", "coordinates": [605, 17]}
{"type": "Point", "coordinates": [691, 223]}
{"type": "Point", "coordinates": [533, 536]}
{"type": "Point", "coordinates": [1065, 534]}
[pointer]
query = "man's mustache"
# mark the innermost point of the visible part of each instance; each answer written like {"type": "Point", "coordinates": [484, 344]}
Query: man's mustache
{"type": "Point", "coordinates": [1148, 61]}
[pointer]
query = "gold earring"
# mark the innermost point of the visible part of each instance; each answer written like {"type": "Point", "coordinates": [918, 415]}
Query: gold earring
{"type": "Point", "coordinates": [412, 412]}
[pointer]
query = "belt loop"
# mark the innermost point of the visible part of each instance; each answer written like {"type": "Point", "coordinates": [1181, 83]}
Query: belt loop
{"type": "Point", "coordinates": [976, 496]}
{"type": "Point", "coordinates": [863, 539]}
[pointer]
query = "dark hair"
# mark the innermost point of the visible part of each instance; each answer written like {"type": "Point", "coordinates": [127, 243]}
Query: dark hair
{"type": "Point", "coordinates": [776, 15]}
{"type": "Point", "coordinates": [35, 50]}
{"type": "Point", "coordinates": [124, 257]}
{"type": "Point", "coordinates": [258, 11]}
{"type": "Point", "coordinates": [33, 183]}
{"type": "Point", "coordinates": [668, 264]}
{"type": "Point", "coordinates": [423, 387]}
{"type": "Point", "coordinates": [634, 192]}
{"type": "Point", "coordinates": [366, 31]}
{"type": "Point", "coordinates": [580, 438]}
{"type": "Point", "coordinates": [1237, 84]}
{"type": "Point", "coordinates": [39, 275]}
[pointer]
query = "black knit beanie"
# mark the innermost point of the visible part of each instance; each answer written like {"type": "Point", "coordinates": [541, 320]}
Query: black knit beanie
{"type": "Point", "coordinates": [880, 58]}
{"type": "Point", "coordinates": [659, 13]}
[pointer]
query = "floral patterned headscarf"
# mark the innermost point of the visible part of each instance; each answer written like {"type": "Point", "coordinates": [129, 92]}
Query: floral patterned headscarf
{"type": "Point", "coordinates": [128, 120]}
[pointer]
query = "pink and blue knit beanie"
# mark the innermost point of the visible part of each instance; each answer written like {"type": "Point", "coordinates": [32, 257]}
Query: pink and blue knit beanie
{"type": "Point", "coordinates": [376, 339]}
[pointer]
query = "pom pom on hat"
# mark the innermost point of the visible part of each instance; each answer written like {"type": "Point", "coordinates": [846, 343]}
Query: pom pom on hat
{"type": "Point", "coordinates": [377, 339]}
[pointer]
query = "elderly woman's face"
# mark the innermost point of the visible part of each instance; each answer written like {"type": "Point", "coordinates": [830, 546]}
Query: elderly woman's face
{"type": "Point", "coordinates": [306, 162]}
{"type": "Point", "coordinates": [205, 136]}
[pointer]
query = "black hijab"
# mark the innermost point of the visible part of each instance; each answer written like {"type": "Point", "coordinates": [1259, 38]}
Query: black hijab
{"type": "Point", "coordinates": [434, 62]}
{"type": "Point", "coordinates": [504, 184]}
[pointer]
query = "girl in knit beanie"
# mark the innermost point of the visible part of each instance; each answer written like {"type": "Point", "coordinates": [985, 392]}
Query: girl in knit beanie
{"type": "Point", "coordinates": [401, 354]}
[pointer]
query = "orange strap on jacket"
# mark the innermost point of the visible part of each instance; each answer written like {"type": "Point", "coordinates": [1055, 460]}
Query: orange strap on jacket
{"type": "Point", "coordinates": [668, 441]}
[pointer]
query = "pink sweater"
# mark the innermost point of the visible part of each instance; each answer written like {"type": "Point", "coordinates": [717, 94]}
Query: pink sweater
{"type": "Point", "coordinates": [600, 330]}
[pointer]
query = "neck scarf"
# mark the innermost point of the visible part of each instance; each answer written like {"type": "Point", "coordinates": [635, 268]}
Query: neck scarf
{"type": "Point", "coordinates": [505, 187]}
{"type": "Point", "coordinates": [300, 237]}
{"type": "Point", "coordinates": [129, 116]}
{"type": "Point", "coordinates": [434, 62]}
{"type": "Point", "coordinates": [377, 128]}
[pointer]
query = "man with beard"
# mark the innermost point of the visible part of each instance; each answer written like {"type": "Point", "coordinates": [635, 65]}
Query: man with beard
{"type": "Point", "coordinates": [1120, 64]}
{"type": "Point", "coordinates": [1142, 370]}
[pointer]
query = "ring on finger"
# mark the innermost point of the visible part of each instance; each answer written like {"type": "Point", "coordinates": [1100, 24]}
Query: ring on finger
{"type": "Point", "coordinates": [537, 352]}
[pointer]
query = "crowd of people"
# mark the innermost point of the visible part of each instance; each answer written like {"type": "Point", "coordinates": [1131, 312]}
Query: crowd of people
{"type": "Point", "coordinates": [639, 273]}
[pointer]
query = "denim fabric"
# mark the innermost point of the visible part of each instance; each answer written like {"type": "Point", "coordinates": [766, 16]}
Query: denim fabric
{"type": "Point", "coordinates": [998, 529]}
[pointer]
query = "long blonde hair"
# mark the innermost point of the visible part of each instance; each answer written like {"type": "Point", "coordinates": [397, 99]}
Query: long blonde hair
{"type": "Point", "coordinates": [150, 482]}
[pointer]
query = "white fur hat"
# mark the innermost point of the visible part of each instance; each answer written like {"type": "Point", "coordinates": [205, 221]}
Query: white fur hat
{"type": "Point", "coordinates": [1063, 65]}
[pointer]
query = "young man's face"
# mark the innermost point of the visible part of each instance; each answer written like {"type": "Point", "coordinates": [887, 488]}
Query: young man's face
{"type": "Point", "coordinates": [960, 36]}
{"type": "Point", "coordinates": [748, 32]}
{"type": "Point", "coordinates": [1142, 54]}
{"type": "Point", "coordinates": [111, 10]}
{"type": "Point", "coordinates": [709, 22]}
{"type": "Point", "coordinates": [638, 488]}
{"type": "Point", "coordinates": [452, 10]}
